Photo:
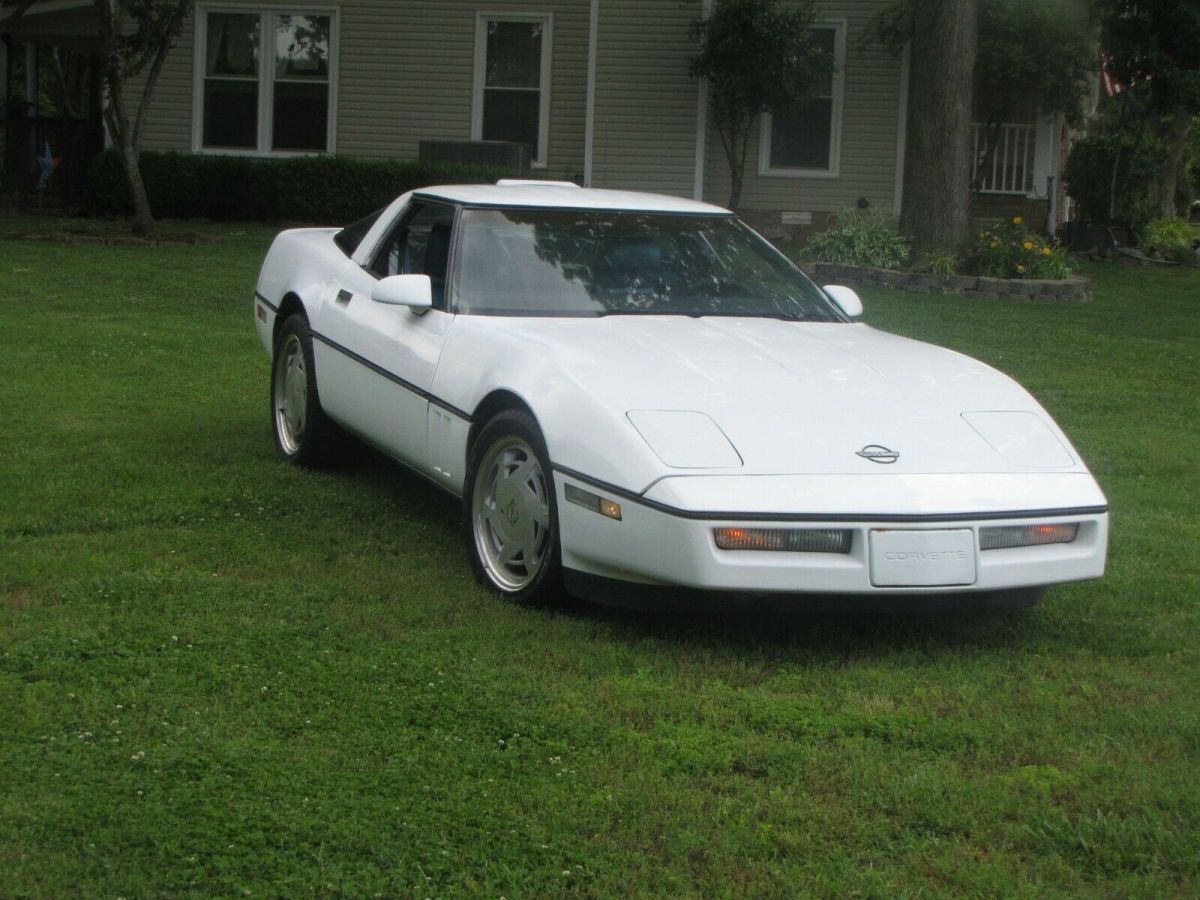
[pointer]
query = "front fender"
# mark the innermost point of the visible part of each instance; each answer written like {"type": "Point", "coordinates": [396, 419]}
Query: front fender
{"type": "Point", "coordinates": [581, 433]}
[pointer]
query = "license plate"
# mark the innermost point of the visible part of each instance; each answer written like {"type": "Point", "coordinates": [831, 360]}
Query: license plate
{"type": "Point", "coordinates": [922, 558]}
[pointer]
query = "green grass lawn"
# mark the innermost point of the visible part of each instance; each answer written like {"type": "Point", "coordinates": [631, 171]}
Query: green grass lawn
{"type": "Point", "coordinates": [221, 675]}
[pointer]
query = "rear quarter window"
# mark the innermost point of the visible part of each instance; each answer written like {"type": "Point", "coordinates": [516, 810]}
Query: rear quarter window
{"type": "Point", "coordinates": [351, 236]}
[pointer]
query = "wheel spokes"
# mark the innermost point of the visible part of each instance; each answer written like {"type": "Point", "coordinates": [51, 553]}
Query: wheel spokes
{"type": "Point", "coordinates": [290, 392]}
{"type": "Point", "coordinates": [512, 515]}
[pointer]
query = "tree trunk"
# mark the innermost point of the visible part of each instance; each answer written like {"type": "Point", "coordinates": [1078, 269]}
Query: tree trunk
{"type": "Point", "coordinates": [737, 172]}
{"type": "Point", "coordinates": [733, 128]}
{"type": "Point", "coordinates": [143, 219]}
{"type": "Point", "coordinates": [1174, 132]}
{"type": "Point", "coordinates": [937, 172]}
{"type": "Point", "coordinates": [128, 144]}
{"type": "Point", "coordinates": [151, 30]}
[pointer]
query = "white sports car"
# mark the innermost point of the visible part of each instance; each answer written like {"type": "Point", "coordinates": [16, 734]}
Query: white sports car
{"type": "Point", "coordinates": [633, 394]}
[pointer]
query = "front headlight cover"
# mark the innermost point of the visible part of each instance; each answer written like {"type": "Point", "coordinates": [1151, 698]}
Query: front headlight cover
{"type": "Point", "coordinates": [1022, 438]}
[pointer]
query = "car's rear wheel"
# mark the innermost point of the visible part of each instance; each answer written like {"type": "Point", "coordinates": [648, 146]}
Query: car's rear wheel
{"type": "Point", "coordinates": [510, 517]}
{"type": "Point", "coordinates": [303, 434]}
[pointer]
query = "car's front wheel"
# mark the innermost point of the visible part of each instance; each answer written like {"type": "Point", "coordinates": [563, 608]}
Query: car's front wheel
{"type": "Point", "coordinates": [303, 435]}
{"type": "Point", "coordinates": [510, 517]}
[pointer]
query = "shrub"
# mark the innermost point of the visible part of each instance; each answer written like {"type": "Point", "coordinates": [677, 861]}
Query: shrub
{"type": "Point", "coordinates": [861, 237]}
{"type": "Point", "coordinates": [942, 263]}
{"type": "Point", "coordinates": [1012, 250]}
{"type": "Point", "coordinates": [1089, 179]}
{"type": "Point", "coordinates": [329, 190]}
{"type": "Point", "coordinates": [1171, 237]}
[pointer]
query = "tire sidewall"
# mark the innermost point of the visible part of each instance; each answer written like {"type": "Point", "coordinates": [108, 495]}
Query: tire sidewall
{"type": "Point", "coordinates": [308, 451]}
{"type": "Point", "coordinates": [547, 585]}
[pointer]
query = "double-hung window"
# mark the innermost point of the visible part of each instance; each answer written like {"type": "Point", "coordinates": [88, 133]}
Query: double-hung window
{"type": "Point", "coordinates": [512, 80]}
{"type": "Point", "coordinates": [804, 140]}
{"type": "Point", "coordinates": [264, 80]}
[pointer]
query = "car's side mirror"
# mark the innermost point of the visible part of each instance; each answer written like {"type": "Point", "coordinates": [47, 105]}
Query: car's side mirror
{"type": "Point", "coordinates": [413, 291]}
{"type": "Point", "coordinates": [845, 298]}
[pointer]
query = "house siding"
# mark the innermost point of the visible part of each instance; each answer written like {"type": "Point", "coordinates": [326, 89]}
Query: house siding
{"type": "Point", "coordinates": [870, 110]}
{"type": "Point", "coordinates": [405, 74]}
{"type": "Point", "coordinates": [645, 113]}
{"type": "Point", "coordinates": [169, 116]}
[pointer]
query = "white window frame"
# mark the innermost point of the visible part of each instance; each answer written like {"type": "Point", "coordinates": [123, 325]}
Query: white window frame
{"type": "Point", "coordinates": [835, 125]}
{"type": "Point", "coordinates": [546, 20]}
{"type": "Point", "coordinates": [266, 76]}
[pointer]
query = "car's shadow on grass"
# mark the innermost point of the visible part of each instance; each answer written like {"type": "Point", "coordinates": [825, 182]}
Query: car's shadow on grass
{"type": "Point", "coordinates": [857, 633]}
{"type": "Point", "coordinates": [711, 619]}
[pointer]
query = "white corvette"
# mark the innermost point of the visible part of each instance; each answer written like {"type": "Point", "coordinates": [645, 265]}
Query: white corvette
{"type": "Point", "coordinates": [635, 393]}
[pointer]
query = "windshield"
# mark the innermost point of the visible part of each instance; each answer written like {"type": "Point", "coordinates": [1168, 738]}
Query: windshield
{"type": "Point", "coordinates": [589, 263]}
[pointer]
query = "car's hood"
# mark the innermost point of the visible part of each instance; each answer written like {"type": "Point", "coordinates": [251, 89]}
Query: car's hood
{"type": "Point", "coordinates": [796, 397]}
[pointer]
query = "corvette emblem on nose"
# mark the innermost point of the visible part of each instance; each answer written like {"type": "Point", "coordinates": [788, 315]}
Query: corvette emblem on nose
{"type": "Point", "coordinates": [878, 454]}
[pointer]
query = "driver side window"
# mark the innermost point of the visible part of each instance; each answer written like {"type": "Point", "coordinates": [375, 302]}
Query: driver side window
{"type": "Point", "coordinates": [420, 244]}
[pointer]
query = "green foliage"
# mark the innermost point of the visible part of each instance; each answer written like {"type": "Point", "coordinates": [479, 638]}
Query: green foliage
{"type": "Point", "coordinates": [1013, 250]}
{"type": "Point", "coordinates": [757, 57]}
{"type": "Point", "coordinates": [1157, 45]}
{"type": "Point", "coordinates": [861, 237]}
{"type": "Point", "coordinates": [1171, 237]}
{"type": "Point", "coordinates": [939, 262]}
{"type": "Point", "coordinates": [1033, 55]}
{"type": "Point", "coordinates": [326, 189]}
{"type": "Point", "coordinates": [137, 32]}
{"type": "Point", "coordinates": [1089, 178]}
{"type": "Point", "coordinates": [1153, 49]}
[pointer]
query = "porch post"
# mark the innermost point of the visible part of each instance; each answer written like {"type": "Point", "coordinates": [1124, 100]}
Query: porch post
{"type": "Point", "coordinates": [1044, 164]}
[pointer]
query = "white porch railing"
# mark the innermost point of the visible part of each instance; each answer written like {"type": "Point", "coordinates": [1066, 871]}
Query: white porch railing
{"type": "Point", "coordinates": [1010, 170]}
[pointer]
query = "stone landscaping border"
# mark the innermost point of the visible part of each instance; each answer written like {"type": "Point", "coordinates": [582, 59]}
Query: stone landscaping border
{"type": "Point", "coordinates": [1073, 289]}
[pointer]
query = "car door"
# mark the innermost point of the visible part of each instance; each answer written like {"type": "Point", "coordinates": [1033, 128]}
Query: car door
{"type": "Point", "coordinates": [376, 362]}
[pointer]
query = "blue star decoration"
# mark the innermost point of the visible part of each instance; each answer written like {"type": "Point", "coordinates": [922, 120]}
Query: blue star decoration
{"type": "Point", "coordinates": [47, 163]}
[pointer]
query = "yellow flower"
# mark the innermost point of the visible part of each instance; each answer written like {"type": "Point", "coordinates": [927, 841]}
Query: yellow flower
{"type": "Point", "coordinates": [1046, 251]}
{"type": "Point", "coordinates": [994, 243]}
{"type": "Point", "coordinates": [1020, 268]}
{"type": "Point", "coordinates": [1028, 245]}
{"type": "Point", "coordinates": [1017, 220]}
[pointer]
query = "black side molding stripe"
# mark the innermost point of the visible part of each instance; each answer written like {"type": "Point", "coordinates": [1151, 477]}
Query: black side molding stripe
{"type": "Point", "coordinates": [824, 517]}
{"type": "Point", "coordinates": [265, 302]}
{"type": "Point", "coordinates": [393, 377]}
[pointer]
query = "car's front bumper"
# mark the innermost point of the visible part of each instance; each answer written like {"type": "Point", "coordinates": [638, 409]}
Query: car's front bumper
{"type": "Point", "coordinates": [657, 543]}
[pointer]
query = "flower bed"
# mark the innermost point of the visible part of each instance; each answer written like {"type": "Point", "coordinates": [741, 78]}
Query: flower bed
{"type": "Point", "coordinates": [981, 287]}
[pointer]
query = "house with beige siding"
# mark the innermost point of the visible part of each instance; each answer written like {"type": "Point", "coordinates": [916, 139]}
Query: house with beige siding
{"type": "Point", "coordinates": [598, 89]}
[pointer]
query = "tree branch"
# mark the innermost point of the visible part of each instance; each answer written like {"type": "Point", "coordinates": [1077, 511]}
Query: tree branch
{"type": "Point", "coordinates": [164, 44]}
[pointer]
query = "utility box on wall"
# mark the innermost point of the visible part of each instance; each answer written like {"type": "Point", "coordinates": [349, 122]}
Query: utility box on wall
{"type": "Point", "coordinates": [505, 154]}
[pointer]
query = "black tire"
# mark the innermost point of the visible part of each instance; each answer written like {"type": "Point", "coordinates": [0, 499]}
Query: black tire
{"type": "Point", "coordinates": [510, 513]}
{"type": "Point", "coordinates": [303, 434]}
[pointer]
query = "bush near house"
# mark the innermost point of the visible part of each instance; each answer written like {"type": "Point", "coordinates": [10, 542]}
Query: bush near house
{"type": "Point", "coordinates": [861, 237]}
{"type": "Point", "coordinates": [1170, 237]}
{"type": "Point", "coordinates": [868, 237]}
{"type": "Point", "coordinates": [326, 189]}
{"type": "Point", "coordinates": [1110, 177]}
